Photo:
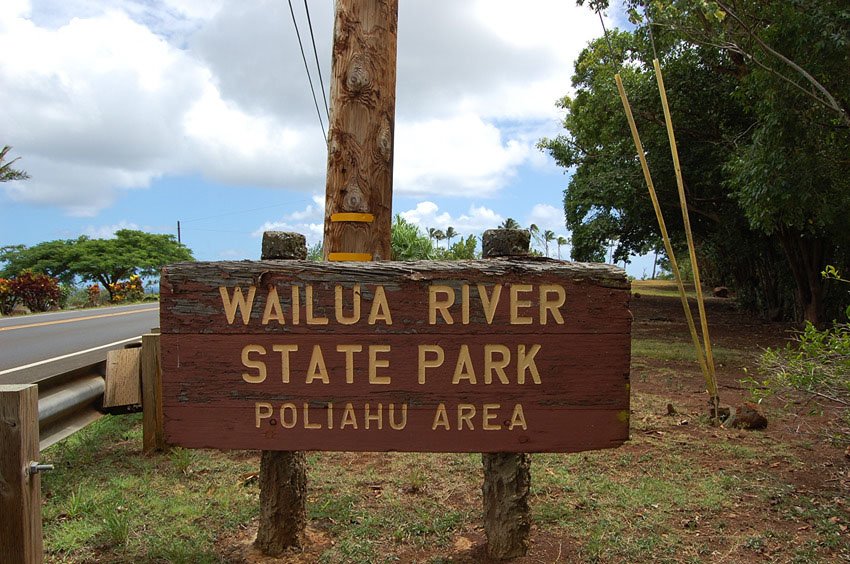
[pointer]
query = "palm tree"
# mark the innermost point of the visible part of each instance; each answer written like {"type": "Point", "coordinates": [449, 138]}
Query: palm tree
{"type": "Point", "coordinates": [561, 241]}
{"type": "Point", "coordinates": [509, 223]}
{"type": "Point", "coordinates": [7, 173]}
{"type": "Point", "coordinates": [535, 233]}
{"type": "Point", "coordinates": [432, 232]}
{"type": "Point", "coordinates": [450, 232]}
{"type": "Point", "coordinates": [548, 237]}
{"type": "Point", "coordinates": [439, 235]}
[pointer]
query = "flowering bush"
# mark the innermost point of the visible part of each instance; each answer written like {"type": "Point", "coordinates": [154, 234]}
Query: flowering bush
{"type": "Point", "coordinates": [7, 298]}
{"type": "Point", "coordinates": [93, 292]}
{"type": "Point", "coordinates": [130, 291]}
{"type": "Point", "coordinates": [39, 292]}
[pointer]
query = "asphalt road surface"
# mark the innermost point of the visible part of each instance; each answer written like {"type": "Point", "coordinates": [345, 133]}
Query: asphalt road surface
{"type": "Point", "coordinates": [54, 337]}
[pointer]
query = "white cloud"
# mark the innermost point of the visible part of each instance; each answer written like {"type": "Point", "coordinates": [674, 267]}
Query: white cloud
{"type": "Point", "coordinates": [103, 96]}
{"type": "Point", "coordinates": [108, 231]}
{"type": "Point", "coordinates": [474, 221]}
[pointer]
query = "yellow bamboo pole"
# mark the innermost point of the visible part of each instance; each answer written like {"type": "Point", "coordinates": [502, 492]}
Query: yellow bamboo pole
{"type": "Point", "coordinates": [712, 381]}
{"type": "Point", "coordinates": [664, 235]}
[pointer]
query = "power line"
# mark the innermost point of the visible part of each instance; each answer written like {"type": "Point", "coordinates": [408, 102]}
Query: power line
{"type": "Point", "coordinates": [307, 68]}
{"type": "Point", "coordinates": [318, 67]}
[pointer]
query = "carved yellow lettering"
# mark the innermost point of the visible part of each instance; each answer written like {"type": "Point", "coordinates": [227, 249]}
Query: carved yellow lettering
{"type": "Point", "coordinates": [237, 302]}
{"type": "Point", "coordinates": [517, 304]}
{"type": "Point", "coordinates": [518, 418]}
{"type": "Point", "coordinates": [349, 417]}
{"type": "Point", "coordinates": [259, 365]}
{"type": "Point", "coordinates": [464, 302]}
{"type": "Point", "coordinates": [355, 305]}
{"type": "Point", "coordinates": [487, 417]}
{"type": "Point", "coordinates": [330, 416]}
{"type": "Point", "coordinates": [398, 426]}
{"type": "Point", "coordinates": [262, 410]}
{"type": "Point", "coordinates": [525, 362]}
{"type": "Point", "coordinates": [296, 305]}
{"type": "Point", "coordinates": [424, 363]}
{"type": "Point", "coordinates": [442, 305]}
{"type": "Point", "coordinates": [441, 418]}
{"type": "Point", "coordinates": [464, 369]}
{"type": "Point", "coordinates": [552, 306]}
{"type": "Point", "coordinates": [288, 423]}
{"type": "Point", "coordinates": [284, 351]}
{"type": "Point", "coordinates": [489, 303]}
{"type": "Point", "coordinates": [376, 418]}
{"type": "Point", "coordinates": [380, 308]}
{"type": "Point", "coordinates": [311, 318]}
{"type": "Point", "coordinates": [375, 363]}
{"type": "Point", "coordinates": [307, 424]}
{"type": "Point", "coordinates": [465, 413]}
{"type": "Point", "coordinates": [317, 369]}
{"type": "Point", "coordinates": [349, 351]}
{"type": "Point", "coordinates": [273, 311]}
{"type": "Point", "coordinates": [492, 365]}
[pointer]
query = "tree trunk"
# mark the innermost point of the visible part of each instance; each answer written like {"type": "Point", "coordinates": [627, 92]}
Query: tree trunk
{"type": "Point", "coordinates": [283, 489]}
{"type": "Point", "coordinates": [806, 259]}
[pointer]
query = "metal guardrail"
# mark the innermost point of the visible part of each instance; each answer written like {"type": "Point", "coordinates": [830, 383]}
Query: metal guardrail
{"type": "Point", "coordinates": [70, 393]}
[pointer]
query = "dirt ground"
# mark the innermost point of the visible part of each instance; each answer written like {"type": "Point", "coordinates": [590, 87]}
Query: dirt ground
{"type": "Point", "coordinates": [789, 501]}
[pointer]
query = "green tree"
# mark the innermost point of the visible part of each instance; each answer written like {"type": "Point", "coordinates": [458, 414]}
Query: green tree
{"type": "Point", "coordinates": [50, 257]}
{"type": "Point", "coordinates": [450, 234]}
{"type": "Point", "coordinates": [509, 223]}
{"type": "Point", "coordinates": [764, 163]}
{"type": "Point", "coordinates": [7, 173]}
{"type": "Point", "coordinates": [548, 236]}
{"type": "Point", "coordinates": [465, 249]}
{"type": "Point", "coordinates": [561, 242]}
{"type": "Point", "coordinates": [108, 261]}
{"type": "Point", "coordinates": [408, 243]}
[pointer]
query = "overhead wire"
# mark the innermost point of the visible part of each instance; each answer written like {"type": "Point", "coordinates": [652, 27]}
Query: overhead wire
{"type": "Point", "coordinates": [316, 56]}
{"type": "Point", "coordinates": [307, 68]}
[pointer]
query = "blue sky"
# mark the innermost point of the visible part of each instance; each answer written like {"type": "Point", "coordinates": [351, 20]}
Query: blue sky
{"type": "Point", "coordinates": [137, 114]}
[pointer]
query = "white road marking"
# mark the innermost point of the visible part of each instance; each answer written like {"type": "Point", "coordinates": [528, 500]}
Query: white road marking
{"type": "Point", "coordinates": [64, 356]}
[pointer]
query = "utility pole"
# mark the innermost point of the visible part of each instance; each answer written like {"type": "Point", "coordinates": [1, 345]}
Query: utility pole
{"type": "Point", "coordinates": [179, 240]}
{"type": "Point", "coordinates": [358, 201]}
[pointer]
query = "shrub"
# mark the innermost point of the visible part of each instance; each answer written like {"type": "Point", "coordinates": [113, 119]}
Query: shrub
{"type": "Point", "coordinates": [130, 291]}
{"type": "Point", "coordinates": [8, 299]}
{"type": "Point", "coordinates": [93, 292]}
{"type": "Point", "coordinates": [39, 292]}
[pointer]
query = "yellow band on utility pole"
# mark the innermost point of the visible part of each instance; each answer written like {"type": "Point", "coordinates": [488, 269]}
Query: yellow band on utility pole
{"type": "Point", "coordinates": [349, 257]}
{"type": "Point", "coordinates": [355, 217]}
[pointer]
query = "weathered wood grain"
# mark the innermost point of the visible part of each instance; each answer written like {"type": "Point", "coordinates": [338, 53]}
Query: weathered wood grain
{"type": "Point", "coordinates": [571, 378]}
{"type": "Point", "coordinates": [20, 492]}
{"type": "Point", "coordinates": [362, 127]}
{"type": "Point", "coordinates": [123, 378]}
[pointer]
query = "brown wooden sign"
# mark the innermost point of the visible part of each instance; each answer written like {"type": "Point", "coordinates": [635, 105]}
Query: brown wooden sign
{"type": "Point", "coordinates": [499, 355]}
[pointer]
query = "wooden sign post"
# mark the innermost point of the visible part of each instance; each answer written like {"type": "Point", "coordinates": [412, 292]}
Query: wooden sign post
{"type": "Point", "coordinates": [499, 355]}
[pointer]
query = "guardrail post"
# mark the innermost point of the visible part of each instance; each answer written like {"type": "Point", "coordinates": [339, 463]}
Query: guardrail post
{"type": "Point", "coordinates": [20, 489]}
{"type": "Point", "coordinates": [507, 475]}
{"type": "Point", "coordinates": [153, 433]}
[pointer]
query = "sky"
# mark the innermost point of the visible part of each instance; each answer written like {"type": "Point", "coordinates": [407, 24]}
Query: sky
{"type": "Point", "coordinates": [141, 113]}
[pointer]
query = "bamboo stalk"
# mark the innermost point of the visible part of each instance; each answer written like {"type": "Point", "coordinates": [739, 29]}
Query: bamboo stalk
{"type": "Point", "coordinates": [668, 247]}
{"type": "Point", "coordinates": [712, 381]}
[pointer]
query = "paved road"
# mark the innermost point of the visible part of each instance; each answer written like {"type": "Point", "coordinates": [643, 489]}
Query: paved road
{"type": "Point", "coordinates": [32, 339]}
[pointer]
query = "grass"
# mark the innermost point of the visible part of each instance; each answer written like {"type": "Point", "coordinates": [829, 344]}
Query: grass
{"type": "Point", "coordinates": [648, 501]}
{"type": "Point", "coordinates": [665, 288]}
{"type": "Point", "coordinates": [683, 351]}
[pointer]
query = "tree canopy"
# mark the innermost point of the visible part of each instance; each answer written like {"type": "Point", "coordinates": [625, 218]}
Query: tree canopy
{"type": "Point", "coordinates": [7, 173]}
{"type": "Point", "coordinates": [763, 149]}
{"type": "Point", "coordinates": [106, 261]}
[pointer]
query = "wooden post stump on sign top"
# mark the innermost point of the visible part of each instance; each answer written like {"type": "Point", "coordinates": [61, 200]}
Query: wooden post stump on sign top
{"type": "Point", "coordinates": [358, 203]}
{"type": "Point", "coordinates": [283, 474]}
